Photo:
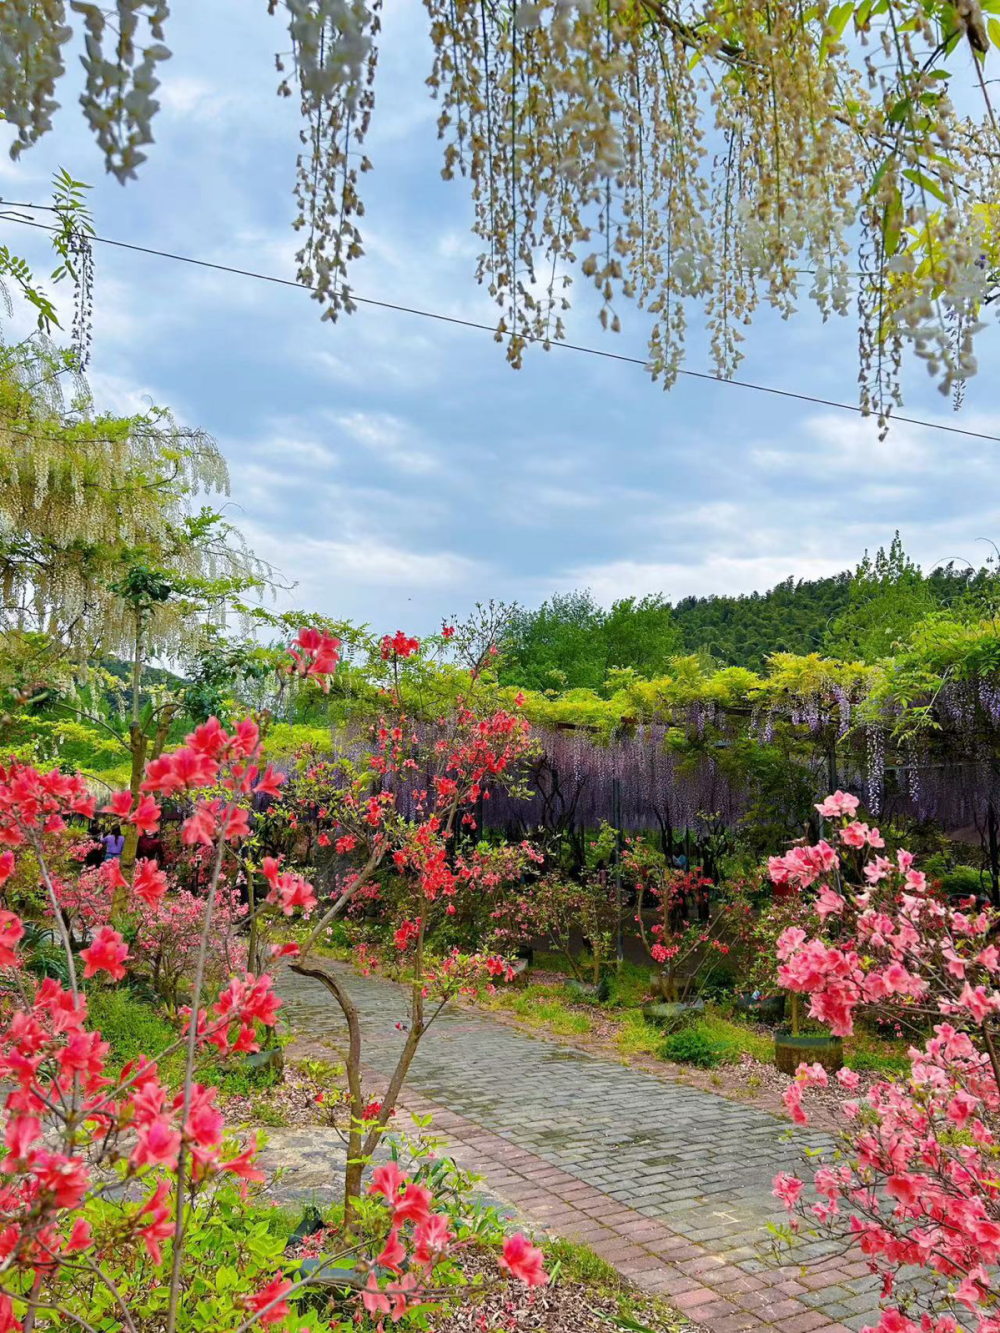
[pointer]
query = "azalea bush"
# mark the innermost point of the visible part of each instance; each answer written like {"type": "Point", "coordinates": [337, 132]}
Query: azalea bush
{"type": "Point", "coordinates": [562, 913]}
{"type": "Point", "coordinates": [678, 945]}
{"type": "Point", "coordinates": [125, 1204]}
{"type": "Point", "coordinates": [914, 1180]}
{"type": "Point", "coordinates": [163, 923]}
{"type": "Point", "coordinates": [407, 806]}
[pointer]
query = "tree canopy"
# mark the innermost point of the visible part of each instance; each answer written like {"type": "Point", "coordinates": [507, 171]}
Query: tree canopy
{"type": "Point", "coordinates": [570, 642]}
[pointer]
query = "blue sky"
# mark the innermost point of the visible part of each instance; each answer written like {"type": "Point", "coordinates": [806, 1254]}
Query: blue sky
{"type": "Point", "coordinates": [395, 468]}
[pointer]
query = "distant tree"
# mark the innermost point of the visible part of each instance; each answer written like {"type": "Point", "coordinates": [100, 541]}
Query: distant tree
{"type": "Point", "coordinates": [745, 630]}
{"type": "Point", "coordinates": [570, 642]}
{"type": "Point", "coordinates": [888, 596]}
{"type": "Point", "coordinates": [639, 632]}
{"type": "Point", "coordinates": [557, 646]}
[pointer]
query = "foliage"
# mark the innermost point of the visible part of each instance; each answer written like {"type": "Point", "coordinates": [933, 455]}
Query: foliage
{"type": "Point", "coordinates": [131, 1028]}
{"type": "Point", "coordinates": [142, 1206]}
{"type": "Point", "coordinates": [570, 643]}
{"type": "Point", "coordinates": [695, 1045]}
{"type": "Point", "coordinates": [685, 942]}
{"type": "Point", "coordinates": [888, 597]}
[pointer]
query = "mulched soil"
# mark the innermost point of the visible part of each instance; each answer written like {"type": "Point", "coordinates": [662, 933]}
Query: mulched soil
{"type": "Point", "coordinates": [561, 1307]}
{"type": "Point", "coordinates": [298, 1099]}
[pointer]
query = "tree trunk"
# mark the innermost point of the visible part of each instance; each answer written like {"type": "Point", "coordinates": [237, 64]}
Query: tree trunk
{"type": "Point", "coordinates": [355, 1152]}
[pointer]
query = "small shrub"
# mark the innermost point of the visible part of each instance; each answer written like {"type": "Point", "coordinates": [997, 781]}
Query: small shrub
{"type": "Point", "coordinates": [962, 882]}
{"type": "Point", "coordinates": [698, 1045]}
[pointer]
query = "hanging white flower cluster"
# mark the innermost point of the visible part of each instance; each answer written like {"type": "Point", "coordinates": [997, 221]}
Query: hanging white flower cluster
{"type": "Point", "coordinates": [721, 154]}
{"type": "Point", "coordinates": [32, 35]}
{"type": "Point", "coordinates": [118, 99]}
{"type": "Point", "coordinates": [80, 493]}
{"type": "Point", "coordinates": [334, 51]}
{"type": "Point", "coordinates": [711, 154]}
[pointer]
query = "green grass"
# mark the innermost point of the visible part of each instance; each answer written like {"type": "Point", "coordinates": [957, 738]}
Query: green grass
{"type": "Point", "coordinates": [567, 1260]}
{"type": "Point", "coordinates": [866, 1051]}
{"type": "Point", "coordinates": [133, 1028]}
{"type": "Point", "coordinates": [720, 1037]}
{"type": "Point", "coordinates": [629, 986]}
{"type": "Point", "coordinates": [713, 1031]}
{"type": "Point", "coordinates": [740, 1036]}
{"type": "Point", "coordinates": [545, 1006]}
{"type": "Point", "coordinates": [579, 1263]}
{"type": "Point", "coordinates": [637, 1037]}
{"type": "Point", "coordinates": [553, 1012]}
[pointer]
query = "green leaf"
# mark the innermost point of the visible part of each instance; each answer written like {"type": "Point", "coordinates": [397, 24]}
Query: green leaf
{"type": "Point", "coordinates": [926, 183]}
{"type": "Point", "coordinates": [835, 24]}
{"type": "Point", "coordinates": [993, 28]}
{"type": "Point", "coordinates": [892, 223]}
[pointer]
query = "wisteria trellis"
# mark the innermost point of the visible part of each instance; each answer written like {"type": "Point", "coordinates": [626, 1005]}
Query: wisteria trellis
{"type": "Point", "coordinates": [674, 776]}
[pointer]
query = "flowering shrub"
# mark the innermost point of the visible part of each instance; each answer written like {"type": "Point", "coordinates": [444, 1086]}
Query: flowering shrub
{"type": "Point", "coordinates": [560, 911]}
{"type": "Point", "coordinates": [914, 1182]}
{"type": "Point", "coordinates": [122, 1197]}
{"type": "Point", "coordinates": [679, 948]}
{"type": "Point", "coordinates": [166, 925]}
{"type": "Point", "coordinates": [444, 772]}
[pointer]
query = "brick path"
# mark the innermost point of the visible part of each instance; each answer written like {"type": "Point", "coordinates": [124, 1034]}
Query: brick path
{"type": "Point", "coordinates": [669, 1183]}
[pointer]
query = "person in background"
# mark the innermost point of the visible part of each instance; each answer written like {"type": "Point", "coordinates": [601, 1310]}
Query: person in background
{"type": "Point", "coordinates": [150, 848]}
{"type": "Point", "coordinates": [95, 856]}
{"type": "Point", "coordinates": [114, 844]}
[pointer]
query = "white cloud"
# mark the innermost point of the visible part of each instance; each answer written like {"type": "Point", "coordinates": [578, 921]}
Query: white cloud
{"type": "Point", "coordinates": [187, 95]}
{"type": "Point", "coordinates": [390, 439]}
{"type": "Point", "coordinates": [340, 577]}
{"type": "Point", "coordinates": [715, 574]}
{"type": "Point", "coordinates": [122, 395]}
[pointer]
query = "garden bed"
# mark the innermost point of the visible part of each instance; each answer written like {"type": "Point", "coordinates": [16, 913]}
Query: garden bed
{"type": "Point", "coordinates": [587, 1296]}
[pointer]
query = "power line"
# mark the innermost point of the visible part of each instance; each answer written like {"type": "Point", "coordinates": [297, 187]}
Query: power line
{"type": "Point", "coordinates": [491, 329]}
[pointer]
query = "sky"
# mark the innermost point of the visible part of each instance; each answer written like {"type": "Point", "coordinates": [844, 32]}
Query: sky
{"type": "Point", "coordinates": [395, 469]}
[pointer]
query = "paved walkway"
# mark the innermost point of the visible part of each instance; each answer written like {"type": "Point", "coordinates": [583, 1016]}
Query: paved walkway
{"type": "Point", "coordinates": [669, 1183]}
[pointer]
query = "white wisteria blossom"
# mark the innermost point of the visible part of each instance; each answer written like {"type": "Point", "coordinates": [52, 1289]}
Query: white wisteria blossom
{"type": "Point", "coordinates": [676, 153]}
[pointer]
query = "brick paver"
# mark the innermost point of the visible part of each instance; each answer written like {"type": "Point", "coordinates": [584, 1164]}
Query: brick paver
{"type": "Point", "coordinates": [669, 1183]}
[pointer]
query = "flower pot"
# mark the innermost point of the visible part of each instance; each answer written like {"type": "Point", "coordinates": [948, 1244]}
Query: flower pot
{"type": "Point", "coordinates": [587, 992]}
{"type": "Point", "coordinates": [764, 1008]}
{"type": "Point", "coordinates": [670, 1011]}
{"type": "Point", "coordinates": [813, 1048]}
{"type": "Point", "coordinates": [271, 1057]}
{"type": "Point", "coordinates": [521, 966]}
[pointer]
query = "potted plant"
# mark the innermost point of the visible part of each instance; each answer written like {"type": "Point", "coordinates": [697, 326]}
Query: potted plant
{"type": "Point", "coordinates": [793, 1047]}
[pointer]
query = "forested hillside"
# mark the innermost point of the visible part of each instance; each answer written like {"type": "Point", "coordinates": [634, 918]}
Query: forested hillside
{"type": "Point", "coordinates": [570, 642]}
{"type": "Point", "coordinates": [792, 617]}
